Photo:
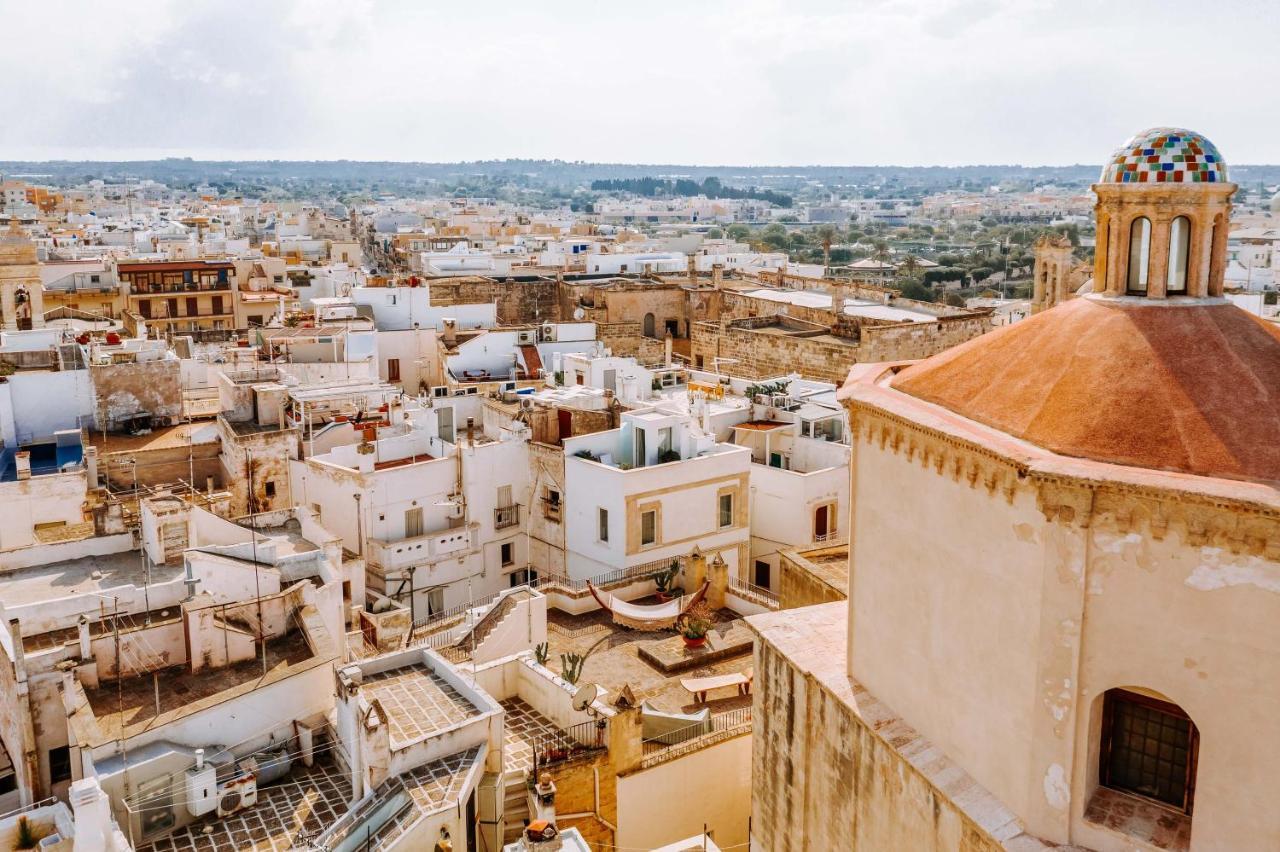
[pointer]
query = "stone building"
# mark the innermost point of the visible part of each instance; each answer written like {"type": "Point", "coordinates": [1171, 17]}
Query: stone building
{"type": "Point", "coordinates": [21, 296]}
{"type": "Point", "coordinates": [1056, 271]}
{"type": "Point", "coordinates": [1064, 570]}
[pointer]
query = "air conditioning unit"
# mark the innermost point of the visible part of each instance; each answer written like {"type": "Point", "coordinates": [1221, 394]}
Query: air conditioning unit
{"type": "Point", "coordinates": [237, 794]}
{"type": "Point", "coordinates": [527, 338]}
{"type": "Point", "coordinates": [526, 402]}
{"type": "Point", "coordinates": [202, 789]}
{"type": "Point", "coordinates": [549, 331]}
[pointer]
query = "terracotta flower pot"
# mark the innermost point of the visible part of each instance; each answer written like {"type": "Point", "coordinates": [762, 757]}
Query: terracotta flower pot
{"type": "Point", "coordinates": [694, 643]}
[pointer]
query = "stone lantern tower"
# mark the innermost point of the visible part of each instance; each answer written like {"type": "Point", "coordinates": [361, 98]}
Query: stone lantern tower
{"type": "Point", "coordinates": [21, 297]}
{"type": "Point", "coordinates": [1164, 204]}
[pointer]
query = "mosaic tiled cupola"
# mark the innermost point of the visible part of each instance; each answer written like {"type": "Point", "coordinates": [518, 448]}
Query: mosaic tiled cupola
{"type": "Point", "coordinates": [1164, 202]}
{"type": "Point", "coordinates": [1166, 155]}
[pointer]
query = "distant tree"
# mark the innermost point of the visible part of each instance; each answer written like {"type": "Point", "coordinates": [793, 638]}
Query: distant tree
{"type": "Point", "coordinates": [949, 259]}
{"type": "Point", "coordinates": [980, 273]}
{"type": "Point", "coordinates": [738, 232]}
{"type": "Point", "coordinates": [913, 289]}
{"type": "Point", "coordinates": [715, 234]}
{"type": "Point", "coordinates": [955, 300]}
{"type": "Point", "coordinates": [775, 236]}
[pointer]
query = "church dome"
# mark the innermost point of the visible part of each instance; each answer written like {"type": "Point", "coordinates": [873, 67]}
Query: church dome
{"type": "Point", "coordinates": [1165, 155]}
{"type": "Point", "coordinates": [1192, 389]}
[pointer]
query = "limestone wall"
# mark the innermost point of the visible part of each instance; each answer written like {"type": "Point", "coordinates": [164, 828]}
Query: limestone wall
{"type": "Point", "coordinates": [517, 302]}
{"type": "Point", "coordinates": [762, 355]}
{"type": "Point", "coordinates": [824, 779]}
{"type": "Point", "coordinates": [123, 390]}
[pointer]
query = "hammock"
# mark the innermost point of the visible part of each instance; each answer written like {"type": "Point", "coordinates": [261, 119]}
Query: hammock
{"type": "Point", "coordinates": [652, 617]}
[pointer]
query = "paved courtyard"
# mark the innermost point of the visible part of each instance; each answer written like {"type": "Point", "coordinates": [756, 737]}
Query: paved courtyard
{"type": "Point", "coordinates": [613, 661]}
{"type": "Point", "coordinates": [418, 702]}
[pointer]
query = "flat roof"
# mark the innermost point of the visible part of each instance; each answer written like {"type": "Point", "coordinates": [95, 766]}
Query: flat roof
{"type": "Point", "coordinates": [97, 574]}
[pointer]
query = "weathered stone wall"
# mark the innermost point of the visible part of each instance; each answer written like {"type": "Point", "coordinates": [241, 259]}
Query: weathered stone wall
{"type": "Point", "coordinates": [269, 453]}
{"type": "Point", "coordinates": [908, 341]}
{"type": "Point", "coordinates": [813, 577]}
{"type": "Point", "coordinates": [824, 779]}
{"type": "Point", "coordinates": [15, 734]}
{"type": "Point", "coordinates": [124, 390]}
{"type": "Point", "coordinates": [576, 787]}
{"type": "Point", "coordinates": [518, 302]}
{"type": "Point", "coordinates": [164, 466]}
{"type": "Point", "coordinates": [763, 355]}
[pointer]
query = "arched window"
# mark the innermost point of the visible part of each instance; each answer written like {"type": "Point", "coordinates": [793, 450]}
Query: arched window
{"type": "Point", "coordinates": [648, 325]}
{"type": "Point", "coordinates": [1149, 747]}
{"type": "Point", "coordinates": [1139, 255]}
{"type": "Point", "coordinates": [1179, 251]}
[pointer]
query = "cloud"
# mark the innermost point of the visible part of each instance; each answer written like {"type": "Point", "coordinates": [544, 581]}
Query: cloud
{"type": "Point", "coordinates": [716, 81]}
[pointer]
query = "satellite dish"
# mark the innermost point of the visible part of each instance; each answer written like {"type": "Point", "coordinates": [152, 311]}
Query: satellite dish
{"type": "Point", "coordinates": [579, 313]}
{"type": "Point", "coordinates": [586, 694]}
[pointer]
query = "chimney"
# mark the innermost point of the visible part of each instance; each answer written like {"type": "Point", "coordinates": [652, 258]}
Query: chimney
{"type": "Point", "coordinates": [471, 430]}
{"type": "Point", "coordinates": [450, 332]}
{"type": "Point", "coordinates": [92, 815]}
{"type": "Point", "coordinates": [666, 347]}
{"type": "Point", "coordinates": [22, 460]}
{"type": "Point", "coordinates": [717, 275]}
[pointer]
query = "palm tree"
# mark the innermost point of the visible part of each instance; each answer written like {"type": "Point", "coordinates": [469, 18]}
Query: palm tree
{"type": "Point", "coordinates": [827, 235]}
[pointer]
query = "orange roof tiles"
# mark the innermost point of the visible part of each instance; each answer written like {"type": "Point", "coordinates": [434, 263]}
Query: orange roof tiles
{"type": "Point", "coordinates": [1193, 389]}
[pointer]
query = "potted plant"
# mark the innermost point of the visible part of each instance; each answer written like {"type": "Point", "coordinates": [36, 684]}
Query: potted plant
{"type": "Point", "coordinates": [664, 580]}
{"type": "Point", "coordinates": [29, 834]}
{"type": "Point", "coordinates": [695, 625]}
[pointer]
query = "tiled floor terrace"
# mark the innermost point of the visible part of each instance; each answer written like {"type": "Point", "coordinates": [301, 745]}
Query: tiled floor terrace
{"type": "Point", "coordinates": [613, 661]}
{"type": "Point", "coordinates": [418, 702]}
{"type": "Point", "coordinates": [287, 814]}
{"type": "Point", "coordinates": [523, 727]}
{"type": "Point", "coordinates": [432, 787]}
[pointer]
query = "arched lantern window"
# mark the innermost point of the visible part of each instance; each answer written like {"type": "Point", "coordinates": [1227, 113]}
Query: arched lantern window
{"type": "Point", "coordinates": [1139, 256]}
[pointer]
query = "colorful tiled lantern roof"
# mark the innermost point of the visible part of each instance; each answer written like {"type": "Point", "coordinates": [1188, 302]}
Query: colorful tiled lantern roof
{"type": "Point", "coordinates": [1165, 155]}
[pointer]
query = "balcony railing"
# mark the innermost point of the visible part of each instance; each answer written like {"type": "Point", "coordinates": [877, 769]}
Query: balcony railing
{"type": "Point", "coordinates": [752, 592]}
{"type": "Point", "coordinates": [506, 516]}
{"type": "Point", "coordinates": [419, 549]}
{"type": "Point", "coordinates": [720, 726]}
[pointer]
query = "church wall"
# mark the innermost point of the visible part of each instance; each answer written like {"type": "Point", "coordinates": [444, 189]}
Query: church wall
{"type": "Point", "coordinates": [1200, 625]}
{"type": "Point", "coordinates": [954, 613]}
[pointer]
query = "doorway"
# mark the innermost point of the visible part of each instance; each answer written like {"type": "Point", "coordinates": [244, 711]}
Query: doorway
{"type": "Point", "coordinates": [820, 522]}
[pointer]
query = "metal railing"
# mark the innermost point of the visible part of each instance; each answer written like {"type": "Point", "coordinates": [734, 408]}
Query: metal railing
{"type": "Point", "coordinates": [752, 592]}
{"type": "Point", "coordinates": [720, 726]}
{"type": "Point", "coordinates": [506, 516]}
{"type": "Point", "coordinates": [832, 537]}
{"type": "Point", "coordinates": [572, 743]}
{"type": "Point", "coordinates": [634, 573]}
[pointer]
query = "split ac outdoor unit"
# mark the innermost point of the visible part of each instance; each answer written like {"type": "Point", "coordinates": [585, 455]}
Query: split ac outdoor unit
{"type": "Point", "coordinates": [237, 794]}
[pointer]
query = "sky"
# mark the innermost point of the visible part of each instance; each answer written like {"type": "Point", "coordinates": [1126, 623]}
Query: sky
{"type": "Point", "coordinates": [706, 82]}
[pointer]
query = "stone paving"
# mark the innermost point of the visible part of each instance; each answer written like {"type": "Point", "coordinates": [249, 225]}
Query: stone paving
{"type": "Point", "coordinates": [524, 725]}
{"type": "Point", "coordinates": [286, 814]}
{"type": "Point", "coordinates": [418, 702]}
{"type": "Point", "coordinates": [432, 788]}
{"type": "Point", "coordinates": [1141, 819]}
{"type": "Point", "coordinates": [613, 660]}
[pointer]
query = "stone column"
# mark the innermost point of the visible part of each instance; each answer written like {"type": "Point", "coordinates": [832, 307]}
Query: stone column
{"type": "Point", "coordinates": [695, 571]}
{"type": "Point", "coordinates": [626, 740]}
{"type": "Point", "coordinates": [1158, 277]}
{"type": "Point", "coordinates": [9, 308]}
{"type": "Point", "coordinates": [718, 582]}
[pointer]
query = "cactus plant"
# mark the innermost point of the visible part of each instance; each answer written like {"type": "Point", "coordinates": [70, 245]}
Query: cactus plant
{"type": "Point", "coordinates": [571, 667]}
{"type": "Point", "coordinates": [541, 652]}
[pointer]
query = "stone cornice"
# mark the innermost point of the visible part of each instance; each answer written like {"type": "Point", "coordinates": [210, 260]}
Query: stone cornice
{"type": "Point", "coordinates": [1240, 516]}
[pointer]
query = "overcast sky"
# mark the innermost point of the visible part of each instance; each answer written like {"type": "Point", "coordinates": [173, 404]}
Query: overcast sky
{"type": "Point", "coordinates": [740, 82]}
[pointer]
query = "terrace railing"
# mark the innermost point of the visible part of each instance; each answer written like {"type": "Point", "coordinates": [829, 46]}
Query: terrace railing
{"type": "Point", "coordinates": [682, 741]}
{"type": "Point", "coordinates": [754, 593]}
{"type": "Point", "coordinates": [575, 742]}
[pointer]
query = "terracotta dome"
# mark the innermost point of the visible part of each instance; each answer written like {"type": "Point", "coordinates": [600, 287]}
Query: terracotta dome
{"type": "Point", "coordinates": [1165, 155]}
{"type": "Point", "coordinates": [1193, 388]}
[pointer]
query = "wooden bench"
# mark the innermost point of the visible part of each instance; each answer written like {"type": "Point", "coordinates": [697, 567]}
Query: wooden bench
{"type": "Point", "coordinates": [700, 686]}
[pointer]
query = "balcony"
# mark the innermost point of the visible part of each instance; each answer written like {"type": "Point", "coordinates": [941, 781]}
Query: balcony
{"type": "Point", "coordinates": [405, 552]}
{"type": "Point", "coordinates": [506, 516]}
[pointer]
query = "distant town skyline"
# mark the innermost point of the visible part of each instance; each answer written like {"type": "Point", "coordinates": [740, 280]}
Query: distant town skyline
{"type": "Point", "coordinates": [762, 82]}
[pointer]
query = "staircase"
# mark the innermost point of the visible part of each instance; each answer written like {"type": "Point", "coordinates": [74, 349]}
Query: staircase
{"type": "Point", "coordinates": [516, 808]}
{"type": "Point", "coordinates": [472, 639]}
{"type": "Point", "coordinates": [532, 361]}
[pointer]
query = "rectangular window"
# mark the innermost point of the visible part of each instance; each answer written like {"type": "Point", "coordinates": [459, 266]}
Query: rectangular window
{"type": "Point", "coordinates": [193, 307]}
{"type": "Point", "coordinates": [649, 527]}
{"type": "Point", "coordinates": [269, 489]}
{"type": "Point", "coordinates": [173, 307]}
{"type": "Point", "coordinates": [393, 369]}
{"type": "Point", "coordinates": [59, 764]}
{"type": "Point", "coordinates": [603, 524]}
{"type": "Point", "coordinates": [217, 304]}
{"type": "Point", "coordinates": [726, 510]}
{"type": "Point", "coordinates": [508, 553]}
